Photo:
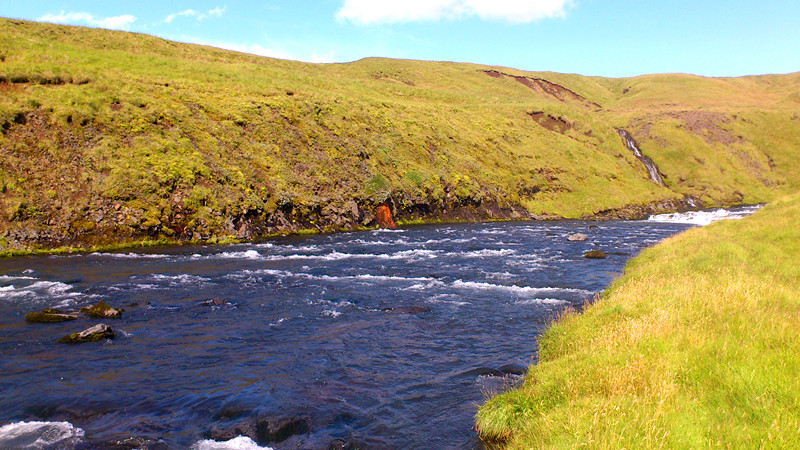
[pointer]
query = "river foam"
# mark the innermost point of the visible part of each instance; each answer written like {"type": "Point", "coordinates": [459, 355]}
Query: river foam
{"type": "Point", "coordinates": [40, 435]}
{"type": "Point", "coordinates": [237, 443]}
{"type": "Point", "coordinates": [704, 217]}
{"type": "Point", "coordinates": [23, 289]}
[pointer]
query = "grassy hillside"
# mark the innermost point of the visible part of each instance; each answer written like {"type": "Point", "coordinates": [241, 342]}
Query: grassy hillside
{"type": "Point", "coordinates": [695, 346]}
{"type": "Point", "coordinates": [116, 137]}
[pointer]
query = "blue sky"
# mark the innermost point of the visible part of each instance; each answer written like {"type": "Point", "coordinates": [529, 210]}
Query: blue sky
{"type": "Point", "coordinates": [590, 37]}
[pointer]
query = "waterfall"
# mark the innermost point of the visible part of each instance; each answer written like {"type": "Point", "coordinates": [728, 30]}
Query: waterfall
{"type": "Point", "coordinates": [655, 177]}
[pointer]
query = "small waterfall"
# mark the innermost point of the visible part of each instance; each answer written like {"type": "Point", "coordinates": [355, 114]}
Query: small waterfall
{"type": "Point", "coordinates": [648, 163]}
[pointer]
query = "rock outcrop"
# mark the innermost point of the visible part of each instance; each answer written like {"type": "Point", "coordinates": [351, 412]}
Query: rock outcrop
{"type": "Point", "coordinates": [49, 315]}
{"type": "Point", "coordinates": [98, 332]}
{"type": "Point", "coordinates": [595, 254]}
{"type": "Point", "coordinates": [102, 310]}
{"type": "Point", "coordinates": [576, 237]}
{"type": "Point", "coordinates": [383, 215]}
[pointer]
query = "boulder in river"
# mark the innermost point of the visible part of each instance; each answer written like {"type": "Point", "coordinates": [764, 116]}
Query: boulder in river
{"type": "Point", "coordinates": [576, 237]}
{"type": "Point", "coordinates": [96, 333]}
{"type": "Point", "coordinates": [263, 431]}
{"type": "Point", "coordinates": [348, 443]}
{"type": "Point", "coordinates": [595, 254]}
{"type": "Point", "coordinates": [102, 311]}
{"type": "Point", "coordinates": [133, 443]}
{"type": "Point", "coordinates": [215, 302]}
{"type": "Point", "coordinates": [271, 430]}
{"type": "Point", "coordinates": [49, 315]}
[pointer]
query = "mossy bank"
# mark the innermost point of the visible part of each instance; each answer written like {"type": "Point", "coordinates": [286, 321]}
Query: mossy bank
{"type": "Point", "coordinates": [111, 137]}
{"type": "Point", "coordinates": [695, 346]}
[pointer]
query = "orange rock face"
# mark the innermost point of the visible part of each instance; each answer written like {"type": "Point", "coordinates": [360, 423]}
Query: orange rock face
{"type": "Point", "coordinates": [384, 217]}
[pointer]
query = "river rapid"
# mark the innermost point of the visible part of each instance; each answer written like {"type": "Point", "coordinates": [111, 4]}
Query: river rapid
{"type": "Point", "coordinates": [384, 339]}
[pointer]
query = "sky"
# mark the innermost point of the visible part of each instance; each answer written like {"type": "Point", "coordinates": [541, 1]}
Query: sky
{"type": "Point", "coordinates": [610, 38]}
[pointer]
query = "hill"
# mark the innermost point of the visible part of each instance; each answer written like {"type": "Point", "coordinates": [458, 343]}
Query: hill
{"type": "Point", "coordinates": [111, 137]}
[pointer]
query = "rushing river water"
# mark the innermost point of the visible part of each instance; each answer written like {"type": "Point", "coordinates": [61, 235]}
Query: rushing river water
{"type": "Point", "coordinates": [388, 339]}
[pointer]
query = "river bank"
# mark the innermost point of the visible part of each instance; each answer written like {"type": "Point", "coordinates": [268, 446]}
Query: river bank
{"type": "Point", "coordinates": [107, 237]}
{"type": "Point", "coordinates": [695, 345]}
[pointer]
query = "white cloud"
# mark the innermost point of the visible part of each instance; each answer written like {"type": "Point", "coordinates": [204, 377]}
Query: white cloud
{"type": "Point", "coordinates": [112, 23]}
{"type": "Point", "coordinates": [216, 12]}
{"type": "Point", "coordinates": [188, 12]}
{"type": "Point", "coordinates": [365, 12]}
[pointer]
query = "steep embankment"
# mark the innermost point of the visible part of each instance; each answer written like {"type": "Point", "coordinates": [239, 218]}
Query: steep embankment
{"type": "Point", "coordinates": [695, 346]}
{"type": "Point", "coordinates": [115, 137]}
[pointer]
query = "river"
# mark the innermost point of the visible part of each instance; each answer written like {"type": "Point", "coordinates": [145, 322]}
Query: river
{"type": "Point", "coordinates": [385, 339]}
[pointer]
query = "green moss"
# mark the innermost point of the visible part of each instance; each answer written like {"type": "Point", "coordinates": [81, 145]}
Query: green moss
{"type": "Point", "coordinates": [49, 315]}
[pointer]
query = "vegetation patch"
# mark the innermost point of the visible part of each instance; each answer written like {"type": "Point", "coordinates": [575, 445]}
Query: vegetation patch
{"type": "Point", "coordinates": [109, 137]}
{"type": "Point", "coordinates": [694, 346]}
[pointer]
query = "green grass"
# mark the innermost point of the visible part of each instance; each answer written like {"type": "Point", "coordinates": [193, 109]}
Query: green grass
{"type": "Point", "coordinates": [696, 345]}
{"type": "Point", "coordinates": [175, 136]}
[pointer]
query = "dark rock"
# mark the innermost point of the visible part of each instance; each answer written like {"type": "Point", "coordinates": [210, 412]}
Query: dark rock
{"type": "Point", "coordinates": [263, 431]}
{"type": "Point", "coordinates": [214, 302]}
{"type": "Point", "coordinates": [102, 311]}
{"type": "Point", "coordinates": [577, 237]}
{"type": "Point", "coordinates": [275, 431]}
{"type": "Point", "coordinates": [135, 442]}
{"type": "Point", "coordinates": [246, 428]}
{"type": "Point", "coordinates": [346, 444]}
{"type": "Point", "coordinates": [406, 309]}
{"type": "Point", "coordinates": [484, 372]}
{"type": "Point", "coordinates": [49, 315]}
{"type": "Point", "coordinates": [595, 254]}
{"type": "Point", "coordinates": [353, 209]}
{"type": "Point", "coordinates": [96, 333]}
{"type": "Point", "coordinates": [513, 369]}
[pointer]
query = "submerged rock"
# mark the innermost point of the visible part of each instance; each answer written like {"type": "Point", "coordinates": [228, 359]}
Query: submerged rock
{"type": "Point", "coordinates": [49, 315]}
{"type": "Point", "coordinates": [214, 302]}
{"type": "Point", "coordinates": [502, 371]}
{"type": "Point", "coordinates": [96, 333]}
{"type": "Point", "coordinates": [263, 431]}
{"type": "Point", "coordinates": [594, 254]}
{"type": "Point", "coordinates": [576, 237]}
{"type": "Point", "coordinates": [270, 430]}
{"type": "Point", "coordinates": [102, 311]}
{"type": "Point", "coordinates": [135, 443]}
{"type": "Point", "coordinates": [513, 369]}
{"type": "Point", "coordinates": [348, 443]}
{"type": "Point", "coordinates": [484, 372]}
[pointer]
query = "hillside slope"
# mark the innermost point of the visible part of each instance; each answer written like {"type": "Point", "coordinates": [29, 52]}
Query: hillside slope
{"type": "Point", "coordinates": [112, 137]}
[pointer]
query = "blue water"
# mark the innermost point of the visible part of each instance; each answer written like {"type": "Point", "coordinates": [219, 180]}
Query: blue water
{"type": "Point", "coordinates": [317, 328]}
